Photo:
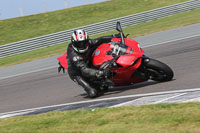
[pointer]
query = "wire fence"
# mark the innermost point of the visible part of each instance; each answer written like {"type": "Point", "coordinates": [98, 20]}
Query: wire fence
{"type": "Point", "coordinates": [65, 36]}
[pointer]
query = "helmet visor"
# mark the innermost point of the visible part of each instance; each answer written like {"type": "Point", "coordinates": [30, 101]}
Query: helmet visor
{"type": "Point", "coordinates": [81, 45]}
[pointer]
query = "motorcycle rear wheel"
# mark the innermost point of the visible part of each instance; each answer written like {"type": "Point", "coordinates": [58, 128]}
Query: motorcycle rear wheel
{"type": "Point", "coordinates": [159, 71]}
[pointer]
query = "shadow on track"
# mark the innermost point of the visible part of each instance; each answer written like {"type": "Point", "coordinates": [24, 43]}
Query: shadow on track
{"type": "Point", "coordinates": [116, 90]}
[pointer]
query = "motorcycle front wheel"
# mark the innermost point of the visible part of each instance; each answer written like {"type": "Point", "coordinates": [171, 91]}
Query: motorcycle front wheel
{"type": "Point", "coordinates": [158, 71]}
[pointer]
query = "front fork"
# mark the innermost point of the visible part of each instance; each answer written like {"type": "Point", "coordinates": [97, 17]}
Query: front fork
{"type": "Point", "coordinates": [143, 69]}
{"type": "Point", "coordinates": [145, 60]}
{"type": "Point", "coordinates": [141, 73]}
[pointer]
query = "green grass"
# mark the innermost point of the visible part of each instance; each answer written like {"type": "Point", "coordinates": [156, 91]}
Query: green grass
{"type": "Point", "coordinates": [178, 20]}
{"type": "Point", "coordinates": [22, 28]}
{"type": "Point", "coordinates": [161, 118]}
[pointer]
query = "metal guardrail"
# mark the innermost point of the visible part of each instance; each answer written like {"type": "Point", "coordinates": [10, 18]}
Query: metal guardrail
{"type": "Point", "coordinates": [65, 36]}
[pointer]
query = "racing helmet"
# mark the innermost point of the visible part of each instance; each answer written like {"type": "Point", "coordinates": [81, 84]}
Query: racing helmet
{"type": "Point", "coordinates": [80, 41]}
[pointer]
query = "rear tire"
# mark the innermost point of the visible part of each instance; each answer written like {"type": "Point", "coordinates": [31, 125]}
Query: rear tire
{"type": "Point", "coordinates": [159, 71]}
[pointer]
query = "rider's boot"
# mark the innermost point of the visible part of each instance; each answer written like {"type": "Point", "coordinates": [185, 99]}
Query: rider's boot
{"type": "Point", "coordinates": [103, 89]}
{"type": "Point", "coordinates": [92, 92]}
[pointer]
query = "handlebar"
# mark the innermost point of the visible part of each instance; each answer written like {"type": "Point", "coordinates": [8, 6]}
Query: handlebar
{"type": "Point", "coordinates": [117, 49]}
{"type": "Point", "coordinates": [109, 63]}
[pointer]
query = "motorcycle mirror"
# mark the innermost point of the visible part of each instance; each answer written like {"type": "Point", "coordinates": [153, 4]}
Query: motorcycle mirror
{"type": "Point", "coordinates": [118, 27]}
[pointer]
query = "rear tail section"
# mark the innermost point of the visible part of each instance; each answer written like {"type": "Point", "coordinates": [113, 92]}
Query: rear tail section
{"type": "Point", "coordinates": [62, 62]}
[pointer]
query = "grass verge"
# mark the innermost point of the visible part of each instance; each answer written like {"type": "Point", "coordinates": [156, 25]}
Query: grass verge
{"type": "Point", "coordinates": [162, 118]}
{"type": "Point", "coordinates": [177, 20]}
{"type": "Point", "coordinates": [22, 28]}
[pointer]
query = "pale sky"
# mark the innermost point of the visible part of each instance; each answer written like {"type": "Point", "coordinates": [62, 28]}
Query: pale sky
{"type": "Point", "coordinates": [16, 8]}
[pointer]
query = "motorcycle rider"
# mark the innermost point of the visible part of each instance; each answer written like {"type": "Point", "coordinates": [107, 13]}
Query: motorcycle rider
{"type": "Point", "coordinates": [79, 52]}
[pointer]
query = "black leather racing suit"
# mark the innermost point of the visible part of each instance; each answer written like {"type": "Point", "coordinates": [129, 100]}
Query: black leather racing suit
{"type": "Point", "coordinates": [78, 64]}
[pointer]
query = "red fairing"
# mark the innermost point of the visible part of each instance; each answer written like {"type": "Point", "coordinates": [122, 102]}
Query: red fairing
{"type": "Point", "coordinates": [63, 60]}
{"type": "Point", "coordinates": [129, 62]}
{"type": "Point", "coordinates": [100, 55]}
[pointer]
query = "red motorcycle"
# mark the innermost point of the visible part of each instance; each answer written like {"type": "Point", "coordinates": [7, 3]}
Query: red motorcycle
{"type": "Point", "coordinates": [126, 62]}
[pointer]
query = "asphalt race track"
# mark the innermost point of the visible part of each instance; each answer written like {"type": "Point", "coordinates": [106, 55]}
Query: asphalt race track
{"type": "Point", "coordinates": [47, 87]}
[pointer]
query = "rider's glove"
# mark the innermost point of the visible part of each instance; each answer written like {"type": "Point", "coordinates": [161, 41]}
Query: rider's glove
{"type": "Point", "coordinates": [107, 73]}
{"type": "Point", "coordinates": [103, 74]}
{"type": "Point", "coordinates": [99, 74]}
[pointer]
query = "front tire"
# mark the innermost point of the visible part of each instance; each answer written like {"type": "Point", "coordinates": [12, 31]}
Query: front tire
{"type": "Point", "coordinates": [158, 71]}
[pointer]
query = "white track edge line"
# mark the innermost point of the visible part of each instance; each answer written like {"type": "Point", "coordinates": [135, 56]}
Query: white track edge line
{"type": "Point", "coordinates": [28, 72]}
{"type": "Point", "coordinates": [104, 99]}
{"type": "Point", "coordinates": [160, 101]}
{"type": "Point", "coordinates": [122, 104]}
{"type": "Point", "coordinates": [191, 100]}
{"type": "Point", "coordinates": [172, 41]}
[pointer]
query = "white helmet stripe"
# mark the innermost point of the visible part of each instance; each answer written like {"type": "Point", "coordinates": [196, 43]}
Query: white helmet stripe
{"type": "Point", "coordinates": [80, 35]}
